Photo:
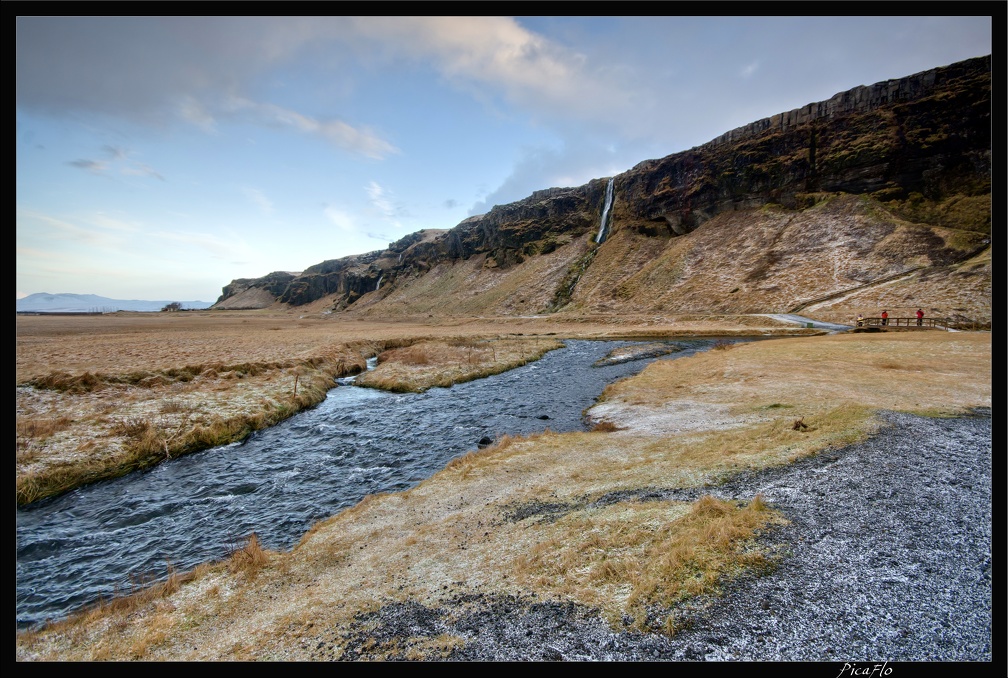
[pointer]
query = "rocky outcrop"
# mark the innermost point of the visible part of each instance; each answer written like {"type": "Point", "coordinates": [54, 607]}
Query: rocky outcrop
{"type": "Point", "coordinates": [866, 98]}
{"type": "Point", "coordinates": [927, 134]}
{"type": "Point", "coordinates": [349, 277]}
{"type": "Point", "coordinates": [510, 233]}
{"type": "Point", "coordinates": [248, 299]}
{"type": "Point", "coordinates": [275, 283]}
{"type": "Point", "coordinates": [926, 137]}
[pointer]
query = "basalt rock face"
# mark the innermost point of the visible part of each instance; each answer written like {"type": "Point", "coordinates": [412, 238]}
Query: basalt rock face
{"type": "Point", "coordinates": [920, 140]}
{"type": "Point", "coordinates": [349, 278]}
{"type": "Point", "coordinates": [507, 234]}
{"type": "Point", "coordinates": [928, 134]}
{"type": "Point", "coordinates": [510, 233]}
{"type": "Point", "coordinates": [275, 283]}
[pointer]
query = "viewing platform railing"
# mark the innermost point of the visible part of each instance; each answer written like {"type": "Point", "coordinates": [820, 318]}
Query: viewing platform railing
{"type": "Point", "coordinates": [904, 323]}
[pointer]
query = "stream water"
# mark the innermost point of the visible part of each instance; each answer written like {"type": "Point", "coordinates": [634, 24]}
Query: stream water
{"type": "Point", "coordinates": [111, 536]}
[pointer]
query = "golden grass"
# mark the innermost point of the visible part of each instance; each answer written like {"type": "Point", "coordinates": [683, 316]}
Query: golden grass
{"type": "Point", "coordinates": [133, 406]}
{"type": "Point", "coordinates": [426, 364]}
{"type": "Point", "coordinates": [454, 533]}
{"type": "Point", "coordinates": [241, 371]}
{"type": "Point", "coordinates": [921, 372]}
{"type": "Point", "coordinates": [153, 427]}
{"type": "Point", "coordinates": [633, 555]}
{"type": "Point", "coordinates": [250, 558]}
{"type": "Point", "coordinates": [41, 428]}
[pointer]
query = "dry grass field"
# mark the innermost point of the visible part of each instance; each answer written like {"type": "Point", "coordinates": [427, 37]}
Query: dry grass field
{"type": "Point", "coordinates": [101, 396]}
{"type": "Point", "coordinates": [480, 525]}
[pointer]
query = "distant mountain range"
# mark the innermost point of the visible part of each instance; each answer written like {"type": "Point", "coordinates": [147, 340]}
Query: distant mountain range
{"type": "Point", "coordinates": [44, 302]}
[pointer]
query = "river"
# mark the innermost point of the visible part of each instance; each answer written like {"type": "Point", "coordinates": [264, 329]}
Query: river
{"type": "Point", "coordinates": [109, 537]}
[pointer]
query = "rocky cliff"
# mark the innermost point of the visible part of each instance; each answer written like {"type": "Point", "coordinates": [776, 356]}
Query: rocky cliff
{"type": "Point", "coordinates": [917, 151]}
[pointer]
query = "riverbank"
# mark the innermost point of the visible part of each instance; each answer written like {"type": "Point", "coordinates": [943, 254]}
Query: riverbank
{"type": "Point", "coordinates": [559, 536]}
{"type": "Point", "coordinates": [916, 587]}
{"type": "Point", "coordinates": [98, 397]}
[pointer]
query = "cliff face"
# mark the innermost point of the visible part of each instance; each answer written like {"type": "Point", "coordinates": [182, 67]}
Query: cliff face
{"type": "Point", "coordinates": [919, 147]}
{"type": "Point", "coordinates": [928, 134]}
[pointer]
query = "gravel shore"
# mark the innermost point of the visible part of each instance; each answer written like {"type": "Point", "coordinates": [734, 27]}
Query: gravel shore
{"type": "Point", "coordinates": [887, 557]}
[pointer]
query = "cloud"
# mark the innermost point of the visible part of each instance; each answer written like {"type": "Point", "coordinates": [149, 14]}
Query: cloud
{"type": "Point", "coordinates": [380, 199]}
{"type": "Point", "coordinates": [260, 200]}
{"type": "Point", "coordinates": [114, 152]}
{"type": "Point", "coordinates": [168, 69]}
{"type": "Point", "coordinates": [119, 158]}
{"type": "Point", "coordinates": [339, 218]}
{"type": "Point", "coordinates": [114, 224]}
{"type": "Point", "coordinates": [219, 247]}
{"type": "Point", "coordinates": [37, 226]}
{"type": "Point", "coordinates": [376, 194]}
{"type": "Point", "coordinates": [193, 112]}
{"type": "Point", "coordinates": [160, 70]}
{"type": "Point", "coordinates": [749, 69]}
{"type": "Point", "coordinates": [102, 230]}
{"type": "Point", "coordinates": [94, 166]}
{"type": "Point", "coordinates": [358, 140]}
{"type": "Point", "coordinates": [145, 69]}
{"type": "Point", "coordinates": [497, 54]}
{"type": "Point", "coordinates": [140, 170]}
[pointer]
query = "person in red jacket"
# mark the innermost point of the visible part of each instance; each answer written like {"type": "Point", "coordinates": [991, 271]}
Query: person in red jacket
{"type": "Point", "coordinates": [920, 317]}
{"type": "Point", "coordinates": [885, 317]}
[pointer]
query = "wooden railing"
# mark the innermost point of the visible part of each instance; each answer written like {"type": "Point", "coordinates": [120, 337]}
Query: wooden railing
{"type": "Point", "coordinates": [904, 323]}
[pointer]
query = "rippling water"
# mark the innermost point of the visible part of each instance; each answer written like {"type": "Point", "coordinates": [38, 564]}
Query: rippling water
{"type": "Point", "coordinates": [107, 537]}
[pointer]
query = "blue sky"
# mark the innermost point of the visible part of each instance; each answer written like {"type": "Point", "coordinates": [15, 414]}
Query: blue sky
{"type": "Point", "coordinates": [161, 158]}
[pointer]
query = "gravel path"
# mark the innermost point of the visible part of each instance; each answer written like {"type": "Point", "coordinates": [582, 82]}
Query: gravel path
{"type": "Point", "coordinates": [887, 558]}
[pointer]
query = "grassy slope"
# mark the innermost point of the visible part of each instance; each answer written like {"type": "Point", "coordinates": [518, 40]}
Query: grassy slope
{"type": "Point", "coordinates": [769, 260]}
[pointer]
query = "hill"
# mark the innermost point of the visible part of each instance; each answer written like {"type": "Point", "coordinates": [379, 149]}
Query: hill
{"type": "Point", "coordinates": [43, 302]}
{"type": "Point", "coordinates": [876, 198]}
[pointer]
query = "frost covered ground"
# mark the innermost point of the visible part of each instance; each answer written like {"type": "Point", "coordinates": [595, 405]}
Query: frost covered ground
{"type": "Point", "coordinates": [887, 557]}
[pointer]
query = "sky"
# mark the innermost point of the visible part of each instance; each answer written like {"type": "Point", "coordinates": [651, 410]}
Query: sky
{"type": "Point", "coordinates": [163, 157]}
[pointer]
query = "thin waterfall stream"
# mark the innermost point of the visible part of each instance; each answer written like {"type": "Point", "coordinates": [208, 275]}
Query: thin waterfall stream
{"type": "Point", "coordinates": [606, 209]}
{"type": "Point", "coordinates": [106, 538]}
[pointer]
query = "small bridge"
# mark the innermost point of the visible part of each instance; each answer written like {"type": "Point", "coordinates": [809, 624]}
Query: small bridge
{"type": "Point", "coordinates": [904, 323]}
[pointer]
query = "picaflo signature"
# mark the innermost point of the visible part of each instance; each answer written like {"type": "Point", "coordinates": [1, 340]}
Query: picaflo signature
{"type": "Point", "coordinates": [865, 670]}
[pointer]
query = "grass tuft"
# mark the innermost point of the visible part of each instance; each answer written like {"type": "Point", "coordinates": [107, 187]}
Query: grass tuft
{"type": "Point", "coordinates": [41, 427]}
{"type": "Point", "coordinates": [250, 558]}
{"type": "Point", "coordinates": [660, 552]}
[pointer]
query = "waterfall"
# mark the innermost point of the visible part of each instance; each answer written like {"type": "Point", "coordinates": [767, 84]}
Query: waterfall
{"type": "Point", "coordinates": [380, 278]}
{"type": "Point", "coordinates": [605, 211]}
